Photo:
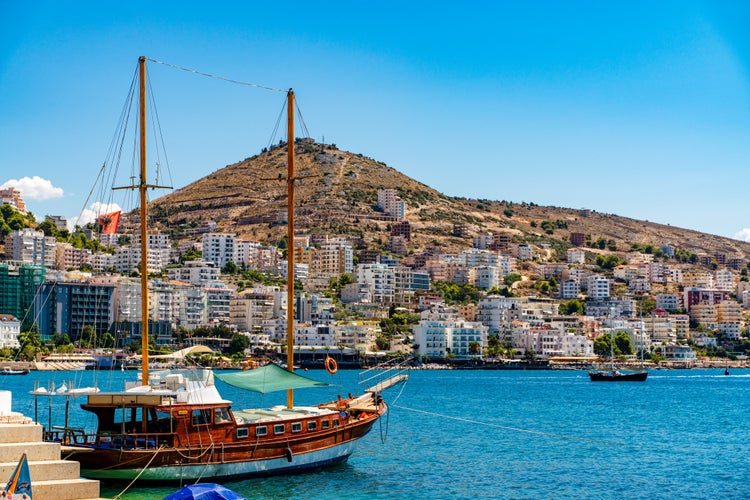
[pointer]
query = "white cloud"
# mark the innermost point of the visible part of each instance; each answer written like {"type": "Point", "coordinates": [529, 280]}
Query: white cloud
{"type": "Point", "coordinates": [90, 214]}
{"type": "Point", "coordinates": [743, 234]}
{"type": "Point", "coordinates": [35, 188]}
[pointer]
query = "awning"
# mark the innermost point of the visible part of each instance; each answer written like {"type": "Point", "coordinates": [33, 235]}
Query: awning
{"type": "Point", "coordinates": [268, 378]}
{"type": "Point", "coordinates": [196, 349]}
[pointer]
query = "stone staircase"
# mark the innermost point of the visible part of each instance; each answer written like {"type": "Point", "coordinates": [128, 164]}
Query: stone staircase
{"type": "Point", "coordinates": [51, 477]}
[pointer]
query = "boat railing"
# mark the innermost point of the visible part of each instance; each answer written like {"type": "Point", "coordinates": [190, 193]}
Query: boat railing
{"type": "Point", "coordinates": [75, 436]}
{"type": "Point", "coordinates": [385, 375]}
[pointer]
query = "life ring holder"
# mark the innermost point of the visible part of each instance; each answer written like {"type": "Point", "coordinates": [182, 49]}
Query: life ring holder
{"type": "Point", "coordinates": [331, 366]}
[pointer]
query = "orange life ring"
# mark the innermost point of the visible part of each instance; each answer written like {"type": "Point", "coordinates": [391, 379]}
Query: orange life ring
{"type": "Point", "coordinates": [331, 365]}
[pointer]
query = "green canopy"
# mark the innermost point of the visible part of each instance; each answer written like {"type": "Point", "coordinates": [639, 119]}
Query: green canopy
{"type": "Point", "coordinates": [269, 378]}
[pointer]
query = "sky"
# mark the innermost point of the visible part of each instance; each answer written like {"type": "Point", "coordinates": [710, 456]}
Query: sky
{"type": "Point", "coordinates": [635, 108]}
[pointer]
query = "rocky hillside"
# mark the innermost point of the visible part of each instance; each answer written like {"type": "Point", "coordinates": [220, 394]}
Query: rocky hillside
{"type": "Point", "coordinates": [337, 194]}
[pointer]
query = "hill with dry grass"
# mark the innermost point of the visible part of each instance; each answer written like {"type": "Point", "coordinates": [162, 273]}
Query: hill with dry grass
{"type": "Point", "coordinates": [336, 193]}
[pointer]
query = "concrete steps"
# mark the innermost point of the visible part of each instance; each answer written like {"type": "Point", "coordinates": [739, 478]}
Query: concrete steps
{"type": "Point", "coordinates": [51, 477]}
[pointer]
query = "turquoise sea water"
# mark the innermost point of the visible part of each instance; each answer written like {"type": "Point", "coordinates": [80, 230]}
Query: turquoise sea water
{"type": "Point", "coordinates": [511, 434]}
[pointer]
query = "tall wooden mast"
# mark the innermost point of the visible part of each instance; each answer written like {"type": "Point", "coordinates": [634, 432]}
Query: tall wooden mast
{"type": "Point", "coordinates": [290, 242]}
{"type": "Point", "coordinates": [144, 232]}
{"type": "Point", "coordinates": [142, 187]}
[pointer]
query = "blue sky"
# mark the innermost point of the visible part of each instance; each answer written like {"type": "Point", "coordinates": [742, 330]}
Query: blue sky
{"type": "Point", "coordinates": [641, 109]}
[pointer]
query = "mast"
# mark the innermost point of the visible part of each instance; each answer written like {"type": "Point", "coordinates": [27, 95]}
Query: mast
{"type": "Point", "coordinates": [290, 242]}
{"type": "Point", "coordinates": [144, 233]}
{"type": "Point", "coordinates": [142, 186]}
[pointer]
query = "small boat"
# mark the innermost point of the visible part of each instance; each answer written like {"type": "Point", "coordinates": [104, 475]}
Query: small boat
{"type": "Point", "coordinates": [10, 371]}
{"type": "Point", "coordinates": [612, 374]}
{"type": "Point", "coordinates": [618, 375]}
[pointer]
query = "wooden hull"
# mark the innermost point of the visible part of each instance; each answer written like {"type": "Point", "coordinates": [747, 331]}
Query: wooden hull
{"type": "Point", "coordinates": [229, 460]}
{"type": "Point", "coordinates": [617, 376]}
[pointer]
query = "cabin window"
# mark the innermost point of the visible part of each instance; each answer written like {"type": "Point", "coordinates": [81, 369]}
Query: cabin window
{"type": "Point", "coordinates": [312, 426]}
{"type": "Point", "coordinates": [242, 432]}
{"type": "Point", "coordinates": [221, 416]}
{"type": "Point", "coordinates": [335, 422]}
{"type": "Point", "coordinates": [297, 427]}
{"type": "Point", "coordinates": [279, 429]}
{"type": "Point", "coordinates": [201, 417]}
{"type": "Point", "coordinates": [261, 430]}
{"type": "Point", "coordinates": [325, 424]}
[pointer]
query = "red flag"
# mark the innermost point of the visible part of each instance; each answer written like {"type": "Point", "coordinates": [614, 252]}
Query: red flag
{"type": "Point", "coordinates": [109, 222]}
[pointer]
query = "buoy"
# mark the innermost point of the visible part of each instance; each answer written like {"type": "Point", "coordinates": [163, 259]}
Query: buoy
{"type": "Point", "coordinates": [331, 365]}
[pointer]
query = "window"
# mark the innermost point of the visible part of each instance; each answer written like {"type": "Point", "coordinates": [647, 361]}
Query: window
{"type": "Point", "coordinates": [243, 432]}
{"type": "Point", "coordinates": [335, 422]}
{"type": "Point", "coordinates": [201, 417]}
{"type": "Point", "coordinates": [312, 426]}
{"type": "Point", "coordinates": [261, 430]}
{"type": "Point", "coordinates": [325, 424]}
{"type": "Point", "coordinates": [279, 429]}
{"type": "Point", "coordinates": [221, 415]}
{"type": "Point", "coordinates": [296, 427]}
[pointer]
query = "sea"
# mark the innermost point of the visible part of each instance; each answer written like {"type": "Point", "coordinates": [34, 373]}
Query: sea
{"type": "Point", "coordinates": [499, 434]}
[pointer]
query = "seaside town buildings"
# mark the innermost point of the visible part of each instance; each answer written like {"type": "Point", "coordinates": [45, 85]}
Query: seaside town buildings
{"type": "Point", "coordinates": [57, 288]}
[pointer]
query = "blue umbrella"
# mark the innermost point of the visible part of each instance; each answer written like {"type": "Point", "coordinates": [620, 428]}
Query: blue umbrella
{"type": "Point", "coordinates": [204, 491]}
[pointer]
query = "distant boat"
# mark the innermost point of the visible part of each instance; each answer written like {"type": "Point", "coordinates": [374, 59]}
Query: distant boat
{"type": "Point", "coordinates": [612, 374]}
{"type": "Point", "coordinates": [618, 375]}
{"type": "Point", "coordinates": [10, 371]}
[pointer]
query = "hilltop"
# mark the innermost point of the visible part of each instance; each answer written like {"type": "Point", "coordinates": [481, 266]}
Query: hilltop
{"type": "Point", "coordinates": [337, 194]}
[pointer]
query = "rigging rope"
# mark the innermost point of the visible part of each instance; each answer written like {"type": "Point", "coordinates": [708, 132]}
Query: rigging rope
{"type": "Point", "coordinates": [514, 429]}
{"type": "Point", "coordinates": [209, 75]}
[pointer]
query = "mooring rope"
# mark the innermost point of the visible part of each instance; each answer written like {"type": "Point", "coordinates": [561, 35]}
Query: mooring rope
{"type": "Point", "coordinates": [504, 427]}
{"type": "Point", "coordinates": [119, 495]}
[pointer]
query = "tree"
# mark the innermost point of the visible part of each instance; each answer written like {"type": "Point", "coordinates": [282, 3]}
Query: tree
{"type": "Point", "coordinates": [474, 347]}
{"type": "Point", "coordinates": [571, 307]}
{"type": "Point", "coordinates": [238, 344]}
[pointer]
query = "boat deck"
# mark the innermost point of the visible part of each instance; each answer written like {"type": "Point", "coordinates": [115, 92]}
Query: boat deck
{"type": "Point", "coordinates": [279, 413]}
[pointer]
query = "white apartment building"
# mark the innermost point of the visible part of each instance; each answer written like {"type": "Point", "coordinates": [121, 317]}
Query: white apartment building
{"type": "Point", "coordinates": [103, 261]}
{"type": "Point", "coordinates": [569, 289]}
{"type": "Point", "coordinates": [575, 256]}
{"type": "Point", "coordinates": [249, 309]}
{"type": "Point", "coordinates": [381, 281]}
{"type": "Point", "coordinates": [315, 336]}
{"type": "Point", "coordinates": [439, 339]}
{"type": "Point", "coordinates": [668, 301]}
{"type": "Point", "coordinates": [549, 342]}
{"type": "Point", "coordinates": [69, 257]}
{"type": "Point", "coordinates": [489, 277]}
{"type": "Point", "coordinates": [724, 280]}
{"type": "Point", "coordinates": [357, 335]}
{"type": "Point", "coordinates": [391, 204]}
{"type": "Point", "coordinates": [12, 197]}
{"type": "Point", "coordinates": [196, 272]}
{"type": "Point", "coordinates": [29, 246]}
{"type": "Point", "coordinates": [729, 318]}
{"type": "Point", "coordinates": [219, 248]}
{"type": "Point", "coordinates": [10, 328]}
{"type": "Point", "coordinates": [598, 287]}
{"type": "Point", "coordinates": [524, 252]}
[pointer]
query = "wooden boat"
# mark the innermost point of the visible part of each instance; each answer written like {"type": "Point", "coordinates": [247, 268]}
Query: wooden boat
{"type": "Point", "coordinates": [175, 426]}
